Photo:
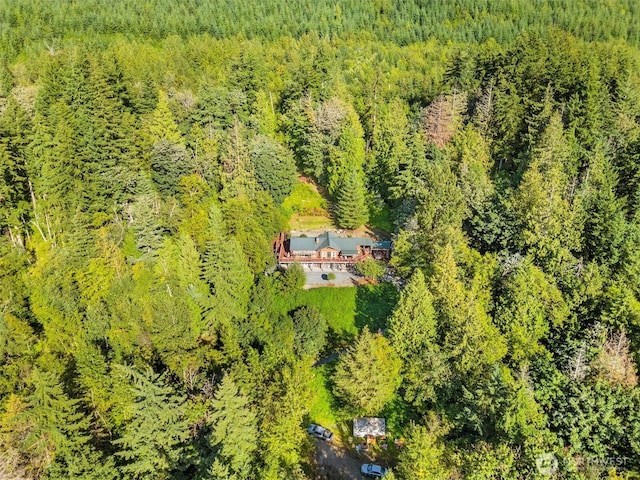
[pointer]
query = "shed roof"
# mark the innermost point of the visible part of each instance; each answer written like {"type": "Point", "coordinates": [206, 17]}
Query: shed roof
{"type": "Point", "coordinates": [382, 245]}
{"type": "Point", "coordinates": [373, 426]}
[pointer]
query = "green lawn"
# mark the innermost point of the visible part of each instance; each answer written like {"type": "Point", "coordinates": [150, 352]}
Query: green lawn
{"type": "Point", "coordinates": [305, 200]}
{"type": "Point", "coordinates": [310, 222]}
{"type": "Point", "coordinates": [347, 309]}
{"type": "Point", "coordinates": [322, 408]}
{"type": "Point", "coordinates": [350, 309]}
{"type": "Point", "coordinates": [380, 217]}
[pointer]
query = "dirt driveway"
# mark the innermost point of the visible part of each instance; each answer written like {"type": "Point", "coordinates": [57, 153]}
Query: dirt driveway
{"type": "Point", "coordinates": [335, 463]}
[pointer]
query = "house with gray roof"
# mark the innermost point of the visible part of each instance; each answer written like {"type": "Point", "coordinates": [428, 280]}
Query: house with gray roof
{"type": "Point", "coordinates": [328, 248]}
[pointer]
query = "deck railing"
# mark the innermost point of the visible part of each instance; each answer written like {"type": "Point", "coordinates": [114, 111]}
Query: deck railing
{"type": "Point", "coordinates": [292, 259]}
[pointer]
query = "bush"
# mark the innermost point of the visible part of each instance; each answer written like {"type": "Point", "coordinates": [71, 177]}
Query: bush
{"type": "Point", "coordinates": [310, 329]}
{"type": "Point", "coordinates": [370, 268]}
{"type": "Point", "coordinates": [294, 277]}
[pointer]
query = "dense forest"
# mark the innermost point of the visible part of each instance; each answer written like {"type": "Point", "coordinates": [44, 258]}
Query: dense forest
{"type": "Point", "coordinates": [150, 153]}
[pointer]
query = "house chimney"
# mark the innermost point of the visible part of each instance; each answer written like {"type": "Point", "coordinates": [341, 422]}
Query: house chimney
{"type": "Point", "coordinates": [317, 240]}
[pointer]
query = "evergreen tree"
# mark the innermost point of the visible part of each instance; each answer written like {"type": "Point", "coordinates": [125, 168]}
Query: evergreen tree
{"type": "Point", "coordinates": [424, 456]}
{"type": "Point", "coordinates": [310, 329]}
{"type": "Point", "coordinates": [238, 178]}
{"type": "Point", "coordinates": [549, 229]}
{"type": "Point", "coordinates": [274, 167]}
{"type": "Point", "coordinates": [225, 269]}
{"type": "Point", "coordinates": [169, 163]}
{"type": "Point", "coordinates": [161, 125]}
{"type": "Point", "coordinates": [367, 374]}
{"type": "Point", "coordinates": [389, 145]}
{"type": "Point", "coordinates": [605, 225]}
{"type": "Point", "coordinates": [348, 157]}
{"type": "Point", "coordinates": [351, 208]}
{"type": "Point", "coordinates": [469, 335]}
{"type": "Point", "coordinates": [45, 426]}
{"type": "Point", "coordinates": [234, 433]}
{"type": "Point", "coordinates": [154, 439]}
{"type": "Point", "coordinates": [145, 217]}
{"type": "Point", "coordinates": [414, 338]}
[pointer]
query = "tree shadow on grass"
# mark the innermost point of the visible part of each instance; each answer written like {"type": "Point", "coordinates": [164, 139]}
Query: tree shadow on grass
{"type": "Point", "coordinates": [337, 340]}
{"type": "Point", "coordinates": [374, 305]}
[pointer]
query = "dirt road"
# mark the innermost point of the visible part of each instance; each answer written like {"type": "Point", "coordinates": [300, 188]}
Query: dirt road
{"type": "Point", "coordinates": [335, 463]}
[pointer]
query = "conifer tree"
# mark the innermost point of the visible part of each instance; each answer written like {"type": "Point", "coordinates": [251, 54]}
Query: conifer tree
{"type": "Point", "coordinates": [349, 155]}
{"type": "Point", "coordinates": [6, 79]}
{"type": "Point", "coordinates": [367, 374]}
{"type": "Point", "coordinates": [548, 220]}
{"type": "Point", "coordinates": [225, 269]}
{"type": "Point", "coordinates": [161, 124]}
{"type": "Point", "coordinates": [234, 433]}
{"type": "Point", "coordinates": [144, 215]}
{"type": "Point", "coordinates": [154, 440]}
{"type": "Point", "coordinates": [169, 163]}
{"type": "Point", "coordinates": [274, 167]}
{"type": "Point", "coordinates": [605, 224]}
{"type": "Point", "coordinates": [469, 335]}
{"type": "Point", "coordinates": [527, 307]}
{"type": "Point", "coordinates": [389, 145]}
{"type": "Point", "coordinates": [351, 208]}
{"type": "Point", "coordinates": [237, 175]}
{"type": "Point", "coordinates": [310, 329]}
{"type": "Point", "coordinates": [424, 456]}
{"type": "Point", "coordinates": [45, 425]}
{"type": "Point", "coordinates": [414, 338]}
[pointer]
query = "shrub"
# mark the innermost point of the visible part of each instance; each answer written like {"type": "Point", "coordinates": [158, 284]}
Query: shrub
{"type": "Point", "coordinates": [370, 268]}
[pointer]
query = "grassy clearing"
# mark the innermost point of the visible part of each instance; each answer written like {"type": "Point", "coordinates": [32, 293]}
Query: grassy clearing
{"type": "Point", "coordinates": [380, 218]}
{"type": "Point", "coordinates": [347, 310]}
{"type": "Point", "coordinates": [305, 200]}
{"type": "Point", "coordinates": [322, 408]}
{"type": "Point", "coordinates": [310, 222]}
{"type": "Point", "coordinates": [337, 305]}
{"type": "Point", "coordinates": [307, 209]}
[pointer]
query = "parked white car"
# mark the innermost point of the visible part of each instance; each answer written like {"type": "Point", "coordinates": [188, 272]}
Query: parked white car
{"type": "Point", "coordinates": [373, 471]}
{"type": "Point", "coordinates": [320, 432]}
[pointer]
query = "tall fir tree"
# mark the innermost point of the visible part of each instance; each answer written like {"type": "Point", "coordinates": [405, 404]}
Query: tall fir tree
{"type": "Point", "coordinates": [414, 334]}
{"type": "Point", "coordinates": [154, 440]}
{"type": "Point", "coordinates": [367, 374]}
{"type": "Point", "coordinates": [351, 206]}
{"type": "Point", "coordinates": [234, 429]}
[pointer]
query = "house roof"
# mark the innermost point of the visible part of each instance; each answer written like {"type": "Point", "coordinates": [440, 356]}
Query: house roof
{"type": "Point", "coordinates": [373, 426]}
{"type": "Point", "coordinates": [348, 246]}
{"type": "Point", "coordinates": [382, 245]}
